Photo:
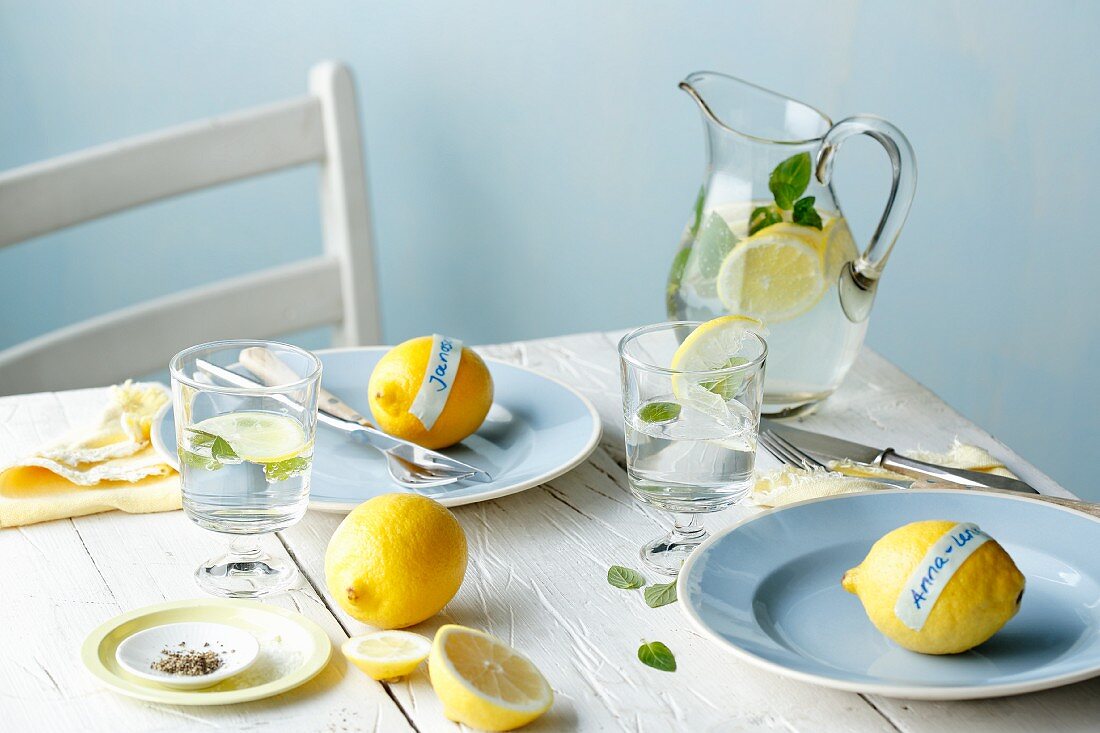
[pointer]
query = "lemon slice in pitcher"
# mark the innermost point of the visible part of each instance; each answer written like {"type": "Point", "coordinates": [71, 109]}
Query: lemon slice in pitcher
{"type": "Point", "coordinates": [776, 274]}
{"type": "Point", "coordinates": [257, 437]}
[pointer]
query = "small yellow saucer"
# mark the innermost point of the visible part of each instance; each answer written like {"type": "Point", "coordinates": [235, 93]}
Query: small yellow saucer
{"type": "Point", "coordinates": [293, 650]}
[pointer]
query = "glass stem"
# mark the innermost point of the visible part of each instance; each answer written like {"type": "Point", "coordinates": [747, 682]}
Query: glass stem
{"type": "Point", "coordinates": [686, 526]}
{"type": "Point", "coordinates": [245, 548]}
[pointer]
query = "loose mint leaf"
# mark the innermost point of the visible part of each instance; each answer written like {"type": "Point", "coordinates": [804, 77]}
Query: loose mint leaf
{"type": "Point", "coordinates": [655, 412]}
{"type": "Point", "coordinates": [221, 451]}
{"type": "Point", "coordinates": [727, 387]}
{"type": "Point", "coordinates": [657, 655]}
{"type": "Point", "coordinates": [763, 217]}
{"type": "Point", "coordinates": [283, 470]}
{"type": "Point", "coordinates": [714, 242]}
{"type": "Point", "coordinates": [201, 438]}
{"type": "Point", "coordinates": [624, 578]}
{"type": "Point", "coordinates": [805, 213]}
{"type": "Point", "coordinates": [660, 594]}
{"type": "Point", "coordinates": [698, 210]}
{"type": "Point", "coordinates": [194, 460]}
{"type": "Point", "coordinates": [789, 180]}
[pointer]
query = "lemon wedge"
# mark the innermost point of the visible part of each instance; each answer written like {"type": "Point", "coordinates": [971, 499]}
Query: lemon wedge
{"type": "Point", "coordinates": [776, 274]}
{"type": "Point", "coordinates": [387, 655]}
{"type": "Point", "coordinates": [484, 683]}
{"type": "Point", "coordinates": [258, 437]}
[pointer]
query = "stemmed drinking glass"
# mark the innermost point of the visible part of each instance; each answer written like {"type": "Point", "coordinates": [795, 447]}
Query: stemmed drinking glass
{"type": "Point", "coordinates": [690, 435]}
{"type": "Point", "coordinates": [245, 455]}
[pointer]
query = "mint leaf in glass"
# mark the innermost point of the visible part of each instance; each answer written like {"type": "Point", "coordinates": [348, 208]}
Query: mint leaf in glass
{"type": "Point", "coordinates": [805, 213]}
{"type": "Point", "coordinates": [657, 655]}
{"type": "Point", "coordinates": [221, 451]}
{"type": "Point", "coordinates": [763, 217]}
{"type": "Point", "coordinates": [201, 438]}
{"type": "Point", "coordinates": [194, 460]}
{"type": "Point", "coordinates": [282, 470]}
{"type": "Point", "coordinates": [660, 594]}
{"type": "Point", "coordinates": [789, 180]}
{"type": "Point", "coordinates": [659, 412]}
{"type": "Point", "coordinates": [714, 242]}
{"type": "Point", "coordinates": [624, 578]}
{"type": "Point", "coordinates": [727, 387]}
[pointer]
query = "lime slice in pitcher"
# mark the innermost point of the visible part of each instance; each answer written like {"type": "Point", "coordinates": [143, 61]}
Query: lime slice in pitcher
{"type": "Point", "coordinates": [258, 437]}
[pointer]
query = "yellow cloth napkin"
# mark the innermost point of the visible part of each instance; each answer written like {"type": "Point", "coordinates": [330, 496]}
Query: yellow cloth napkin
{"type": "Point", "coordinates": [789, 484]}
{"type": "Point", "coordinates": [109, 464]}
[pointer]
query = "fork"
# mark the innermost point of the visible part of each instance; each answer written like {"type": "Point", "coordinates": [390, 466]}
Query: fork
{"type": "Point", "coordinates": [791, 455]}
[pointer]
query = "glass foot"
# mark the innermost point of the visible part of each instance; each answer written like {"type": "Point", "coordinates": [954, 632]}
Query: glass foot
{"type": "Point", "coordinates": [245, 571]}
{"type": "Point", "coordinates": [668, 553]}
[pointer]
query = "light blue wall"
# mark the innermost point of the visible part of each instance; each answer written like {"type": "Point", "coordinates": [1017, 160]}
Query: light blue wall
{"type": "Point", "coordinates": [531, 166]}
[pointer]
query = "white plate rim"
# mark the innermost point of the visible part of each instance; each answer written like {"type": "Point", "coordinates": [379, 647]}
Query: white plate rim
{"type": "Point", "coordinates": [910, 692]}
{"type": "Point", "coordinates": [470, 498]}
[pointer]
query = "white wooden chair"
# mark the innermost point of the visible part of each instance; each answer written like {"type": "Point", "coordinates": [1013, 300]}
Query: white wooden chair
{"type": "Point", "coordinates": [336, 288]}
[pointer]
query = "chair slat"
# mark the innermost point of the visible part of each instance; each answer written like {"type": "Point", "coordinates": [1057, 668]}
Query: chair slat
{"type": "Point", "coordinates": [135, 340]}
{"type": "Point", "coordinates": [43, 197]}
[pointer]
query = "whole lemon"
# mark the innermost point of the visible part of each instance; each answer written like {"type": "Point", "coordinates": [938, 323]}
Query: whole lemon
{"type": "Point", "coordinates": [397, 378]}
{"type": "Point", "coordinates": [978, 599]}
{"type": "Point", "coordinates": [396, 560]}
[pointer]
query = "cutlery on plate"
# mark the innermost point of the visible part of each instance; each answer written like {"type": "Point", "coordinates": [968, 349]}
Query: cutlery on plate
{"type": "Point", "coordinates": [829, 448]}
{"type": "Point", "coordinates": [791, 455]}
{"type": "Point", "coordinates": [410, 465]}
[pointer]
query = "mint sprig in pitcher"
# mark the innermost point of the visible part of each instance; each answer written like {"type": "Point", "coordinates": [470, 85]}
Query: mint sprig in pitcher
{"type": "Point", "coordinates": [767, 238]}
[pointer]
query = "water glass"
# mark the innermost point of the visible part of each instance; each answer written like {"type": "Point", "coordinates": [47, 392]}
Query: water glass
{"type": "Point", "coordinates": [245, 454]}
{"type": "Point", "coordinates": [690, 435]}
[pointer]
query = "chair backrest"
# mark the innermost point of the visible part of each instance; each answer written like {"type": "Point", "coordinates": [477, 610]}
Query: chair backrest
{"type": "Point", "coordinates": [336, 288]}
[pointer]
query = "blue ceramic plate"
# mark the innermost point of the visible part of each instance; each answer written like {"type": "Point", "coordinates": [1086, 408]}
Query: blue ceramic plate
{"type": "Point", "coordinates": [537, 429]}
{"type": "Point", "coordinates": [768, 589]}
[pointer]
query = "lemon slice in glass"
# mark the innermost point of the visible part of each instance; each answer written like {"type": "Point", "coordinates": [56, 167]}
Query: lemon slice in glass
{"type": "Point", "coordinates": [258, 437]}
{"type": "Point", "coordinates": [387, 655]}
{"type": "Point", "coordinates": [483, 682]}
{"type": "Point", "coordinates": [776, 274]}
{"type": "Point", "coordinates": [713, 345]}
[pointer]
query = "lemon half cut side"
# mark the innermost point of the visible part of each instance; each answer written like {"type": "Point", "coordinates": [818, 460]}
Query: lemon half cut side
{"type": "Point", "coordinates": [483, 682]}
{"type": "Point", "coordinates": [387, 655]}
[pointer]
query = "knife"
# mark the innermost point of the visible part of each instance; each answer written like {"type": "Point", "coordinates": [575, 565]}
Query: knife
{"type": "Point", "coordinates": [367, 433]}
{"type": "Point", "coordinates": [835, 449]}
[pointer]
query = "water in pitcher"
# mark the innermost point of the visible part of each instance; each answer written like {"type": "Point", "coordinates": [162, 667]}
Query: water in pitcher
{"type": "Point", "coordinates": [782, 272]}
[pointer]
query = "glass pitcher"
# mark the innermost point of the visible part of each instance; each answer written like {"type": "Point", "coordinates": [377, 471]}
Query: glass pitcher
{"type": "Point", "coordinates": [767, 238]}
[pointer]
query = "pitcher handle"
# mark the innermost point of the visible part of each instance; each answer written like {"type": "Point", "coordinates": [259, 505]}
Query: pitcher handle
{"type": "Point", "coordinates": [858, 282]}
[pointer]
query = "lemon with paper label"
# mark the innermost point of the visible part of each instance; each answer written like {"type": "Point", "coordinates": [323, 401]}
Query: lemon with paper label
{"type": "Point", "coordinates": [484, 683]}
{"type": "Point", "coordinates": [431, 390]}
{"type": "Point", "coordinates": [776, 274]}
{"type": "Point", "coordinates": [937, 587]}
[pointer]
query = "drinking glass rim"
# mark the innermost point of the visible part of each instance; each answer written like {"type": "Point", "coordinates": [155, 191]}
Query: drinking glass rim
{"type": "Point", "coordinates": [667, 325]}
{"type": "Point", "coordinates": [177, 374]}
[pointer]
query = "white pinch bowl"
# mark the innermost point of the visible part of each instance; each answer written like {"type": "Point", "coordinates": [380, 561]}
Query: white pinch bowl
{"type": "Point", "coordinates": [238, 650]}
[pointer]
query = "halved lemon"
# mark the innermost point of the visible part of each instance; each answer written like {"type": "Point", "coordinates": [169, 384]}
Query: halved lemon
{"type": "Point", "coordinates": [259, 437]}
{"type": "Point", "coordinates": [776, 274]}
{"type": "Point", "coordinates": [484, 683]}
{"type": "Point", "coordinates": [387, 655]}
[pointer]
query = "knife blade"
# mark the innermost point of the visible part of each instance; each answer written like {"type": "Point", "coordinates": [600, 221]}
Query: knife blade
{"type": "Point", "coordinates": [837, 449]}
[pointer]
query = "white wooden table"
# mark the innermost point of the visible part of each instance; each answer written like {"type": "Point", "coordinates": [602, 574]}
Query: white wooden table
{"type": "Point", "coordinates": [538, 562]}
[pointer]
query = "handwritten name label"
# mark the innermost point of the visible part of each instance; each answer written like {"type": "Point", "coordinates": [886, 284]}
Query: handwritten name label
{"type": "Point", "coordinates": [439, 376]}
{"type": "Point", "coordinates": [930, 577]}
